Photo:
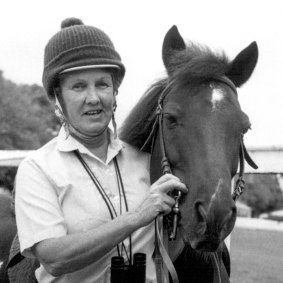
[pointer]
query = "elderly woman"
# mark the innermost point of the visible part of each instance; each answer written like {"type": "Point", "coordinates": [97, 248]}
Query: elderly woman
{"type": "Point", "coordinates": [85, 196]}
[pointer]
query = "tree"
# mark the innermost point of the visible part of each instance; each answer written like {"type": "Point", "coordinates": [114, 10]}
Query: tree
{"type": "Point", "coordinates": [26, 116]}
{"type": "Point", "coordinates": [263, 193]}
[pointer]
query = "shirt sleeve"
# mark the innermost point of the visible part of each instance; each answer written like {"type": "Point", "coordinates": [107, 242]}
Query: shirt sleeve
{"type": "Point", "coordinates": [38, 213]}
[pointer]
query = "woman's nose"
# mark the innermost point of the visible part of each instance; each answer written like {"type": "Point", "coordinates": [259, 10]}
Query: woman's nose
{"type": "Point", "coordinates": [92, 95]}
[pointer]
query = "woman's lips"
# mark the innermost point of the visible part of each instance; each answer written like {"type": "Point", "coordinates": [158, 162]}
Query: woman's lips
{"type": "Point", "coordinates": [92, 112]}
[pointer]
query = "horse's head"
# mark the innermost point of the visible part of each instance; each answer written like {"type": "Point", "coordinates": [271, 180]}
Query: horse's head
{"type": "Point", "coordinates": [202, 127]}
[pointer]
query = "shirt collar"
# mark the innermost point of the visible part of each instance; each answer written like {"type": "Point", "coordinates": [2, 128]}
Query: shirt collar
{"type": "Point", "coordinates": [67, 144]}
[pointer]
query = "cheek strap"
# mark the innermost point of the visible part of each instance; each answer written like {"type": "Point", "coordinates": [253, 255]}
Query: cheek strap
{"type": "Point", "coordinates": [60, 115]}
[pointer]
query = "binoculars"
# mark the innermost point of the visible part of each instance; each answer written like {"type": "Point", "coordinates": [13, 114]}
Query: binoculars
{"type": "Point", "coordinates": [128, 273]}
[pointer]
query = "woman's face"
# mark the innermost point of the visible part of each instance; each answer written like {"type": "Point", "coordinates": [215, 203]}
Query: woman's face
{"type": "Point", "coordinates": [88, 99]}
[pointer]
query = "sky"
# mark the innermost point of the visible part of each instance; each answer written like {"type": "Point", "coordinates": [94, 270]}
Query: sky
{"type": "Point", "coordinates": [137, 29]}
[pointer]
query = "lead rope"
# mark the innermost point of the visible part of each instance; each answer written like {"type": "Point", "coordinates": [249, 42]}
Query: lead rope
{"type": "Point", "coordinates": [216, 269]}
{"type": "Point", "coordinates": [161, 256]}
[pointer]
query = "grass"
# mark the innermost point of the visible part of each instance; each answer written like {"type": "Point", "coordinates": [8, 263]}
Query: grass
{"type": "Point", "coordinates": [256, 256]}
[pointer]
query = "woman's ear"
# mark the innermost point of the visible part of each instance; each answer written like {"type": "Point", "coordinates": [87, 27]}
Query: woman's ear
{"type": "Point", "coordinates": [57, 91]}
{"type": "Point", "coordinates": [58, 96]}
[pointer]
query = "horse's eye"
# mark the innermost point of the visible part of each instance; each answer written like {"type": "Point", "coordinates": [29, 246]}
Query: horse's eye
{"type": "Point", "coordinates": [171, 121]}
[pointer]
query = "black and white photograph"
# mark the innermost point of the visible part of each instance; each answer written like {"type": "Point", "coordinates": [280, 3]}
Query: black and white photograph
{"type": "Point", "coordinates": [141, 141]}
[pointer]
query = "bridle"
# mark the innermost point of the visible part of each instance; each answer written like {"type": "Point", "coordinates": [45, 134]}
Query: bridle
{"type": "Point", "coordinates": [173, 218]}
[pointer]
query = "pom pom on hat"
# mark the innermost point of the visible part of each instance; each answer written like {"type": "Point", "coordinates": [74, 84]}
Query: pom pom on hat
{"type": "Point", "coordinates": [71, 22]}
{"type": "Point", "coordinates": [78, 45]}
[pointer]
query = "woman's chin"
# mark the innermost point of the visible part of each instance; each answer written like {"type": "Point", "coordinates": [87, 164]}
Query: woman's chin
{"type": "Point", "coordinates": [94, 131]}
{"type": "Point", "coordinates": [93, 127]}
{"type": "Point", "coordinates": [90, 131]}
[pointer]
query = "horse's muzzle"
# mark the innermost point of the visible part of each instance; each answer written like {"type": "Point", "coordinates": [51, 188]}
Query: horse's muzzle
{"type": "Point", "coordinates": [211, 226]}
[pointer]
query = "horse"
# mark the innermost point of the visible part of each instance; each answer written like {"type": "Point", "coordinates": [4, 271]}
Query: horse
{"type": "Point", "coordinates": [8, 225]}
{"type": "Point", "coordinates": [8, 230]}
{"type": "Point", "coordinates": [199, 137]}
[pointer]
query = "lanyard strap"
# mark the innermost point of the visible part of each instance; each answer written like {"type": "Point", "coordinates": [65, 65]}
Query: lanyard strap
{"type": "Point", "coordinates": [103, 194]}
{"type": "Point", "coordinates": [106, 198]}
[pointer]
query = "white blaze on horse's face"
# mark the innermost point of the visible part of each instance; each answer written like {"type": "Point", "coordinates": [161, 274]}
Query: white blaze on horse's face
{"type": "Point", "coordinates": [217, 96]}
{"type": "Point", "coordinates": [217, 191]}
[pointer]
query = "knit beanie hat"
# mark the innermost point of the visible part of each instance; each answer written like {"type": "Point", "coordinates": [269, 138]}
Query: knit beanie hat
{"type": "Point", "coordinates": [78, 46]}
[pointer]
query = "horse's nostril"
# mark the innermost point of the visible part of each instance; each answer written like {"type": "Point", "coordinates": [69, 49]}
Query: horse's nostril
{"type": "Point", "coordinates": [200, 212]}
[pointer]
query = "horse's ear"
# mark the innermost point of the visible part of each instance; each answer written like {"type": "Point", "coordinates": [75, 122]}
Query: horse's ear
{"type": "Point", "coordinates": [243, 65]}
{"type": "Point", "coordinates": [172, 42]}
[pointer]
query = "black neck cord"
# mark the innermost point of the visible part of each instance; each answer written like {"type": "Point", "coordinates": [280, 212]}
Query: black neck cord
{"type": "Point", "coordinates": [97, 184]}
{"type": "Point", "coordinates": [119, 180]}
{"type": "Point", "coordinates": [107, 200]}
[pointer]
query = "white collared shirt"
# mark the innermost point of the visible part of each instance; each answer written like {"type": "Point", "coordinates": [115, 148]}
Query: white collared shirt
{"type": "Point", "coordinates": [55, 197]}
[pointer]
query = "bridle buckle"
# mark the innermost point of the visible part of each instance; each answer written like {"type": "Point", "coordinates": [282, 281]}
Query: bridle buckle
{"type": "Point", "coordinates": [176, 215]}
{"type": "Point", "coordinates": [239, 188]}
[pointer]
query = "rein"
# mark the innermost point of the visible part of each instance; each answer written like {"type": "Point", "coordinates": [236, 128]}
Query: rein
{"type": "Point", "coordinates": [174, 217]}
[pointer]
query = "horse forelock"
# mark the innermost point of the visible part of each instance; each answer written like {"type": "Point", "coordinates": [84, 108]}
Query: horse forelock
{"type": "Point", "coordinates": [196, 64]}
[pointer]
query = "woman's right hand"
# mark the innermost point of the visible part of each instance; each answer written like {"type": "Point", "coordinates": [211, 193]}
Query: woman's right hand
{"type": "Point", "coordinates": [158, 201]}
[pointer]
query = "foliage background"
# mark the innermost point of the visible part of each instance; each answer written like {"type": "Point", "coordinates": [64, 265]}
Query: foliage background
{"type": "Point", "coordinates": [26, 116]}
{"type": "Point", "coordinates": [263, 193]}
{"type": "Point", "coordinates": [26, 121]}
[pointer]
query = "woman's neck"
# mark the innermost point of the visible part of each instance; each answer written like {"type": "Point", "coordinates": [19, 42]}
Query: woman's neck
{"type": "Point", "coordinates": [98, 145]}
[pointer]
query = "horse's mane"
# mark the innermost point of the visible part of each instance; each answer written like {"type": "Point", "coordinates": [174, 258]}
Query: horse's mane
{"type": "Point", "coordinates": [137, 126]}
{"type": "Point", "coordinates": [192, 66]}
